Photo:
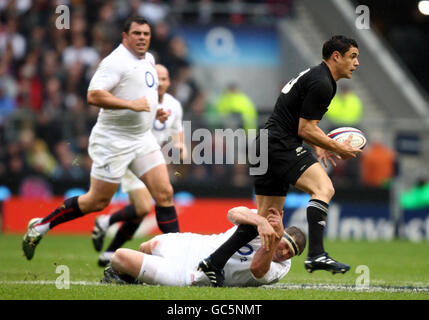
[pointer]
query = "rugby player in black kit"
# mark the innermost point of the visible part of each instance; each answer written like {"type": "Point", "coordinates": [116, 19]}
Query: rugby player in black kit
{"type": "Point", "coordinates": [298, 110]}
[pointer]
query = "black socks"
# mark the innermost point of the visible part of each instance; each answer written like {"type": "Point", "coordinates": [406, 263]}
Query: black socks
{"type": "Point", "coordinates": [125, 214]}
{"type": "Point", "coordinates": [317, 212]}
{"type": "Point", "coordinates": [167, 219]}
{"type": "Point", "coordinates": [69, 210]}
{"type": "Point", "coordinates": [124, 233]}
{"type": "Point", "coordinates": [243, 234]}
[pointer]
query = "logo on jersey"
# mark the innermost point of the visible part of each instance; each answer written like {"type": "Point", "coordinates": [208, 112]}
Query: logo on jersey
{"type": "Point", "coordinates": [158, 125]}
{"type": "Point", "coordinates": [300, 151]}
{"type": "Point", "coordinates": [246, 253]}
{"type": "Point", "coordinates": [107, 168]}
{"type": "Point", "coordinates": [150, 79]}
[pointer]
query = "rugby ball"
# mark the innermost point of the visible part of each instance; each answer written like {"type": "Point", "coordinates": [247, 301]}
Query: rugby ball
{"type": "Point", "coordinates": [341, 135]}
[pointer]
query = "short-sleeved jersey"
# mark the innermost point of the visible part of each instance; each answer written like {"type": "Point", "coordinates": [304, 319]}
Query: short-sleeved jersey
{"type": "Point", "coordinates": [127, 77]}
{"type": "Point", "coordinates": [237, 270]}
{"type": "Point", "coordinates": [188, 249]}
{"type": "Point", "coordinates": [306, 96]}
{"type": "Point", "coordinates": [173, 125]}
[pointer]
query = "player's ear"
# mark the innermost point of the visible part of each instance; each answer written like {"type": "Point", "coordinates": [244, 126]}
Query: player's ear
{"type": "Point", "coordinates": [336, 55]}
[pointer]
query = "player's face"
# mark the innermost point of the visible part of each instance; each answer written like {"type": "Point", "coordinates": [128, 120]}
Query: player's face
{"type": "Point", "coordinates": [349, 62]}
{"type": "Point", "coordinates": [138, 38]}
{"type": "Point", "coordinates": [164, 79]}
{"type": "Point", "coordinates": [283, 252]}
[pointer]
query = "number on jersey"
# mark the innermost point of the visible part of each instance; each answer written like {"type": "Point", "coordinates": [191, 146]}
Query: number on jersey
{"type": "Point", "coordinates": [292, 82]}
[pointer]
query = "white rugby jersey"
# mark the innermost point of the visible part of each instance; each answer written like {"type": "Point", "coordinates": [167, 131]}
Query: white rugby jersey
{"type": "Point", "coordinates": [127, 77]}
{"type": "Point", "coordinates": [173, 125]}
{"type": "Point", "coordinates": [237, 269]}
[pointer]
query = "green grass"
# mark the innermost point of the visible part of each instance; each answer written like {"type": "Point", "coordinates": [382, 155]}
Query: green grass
{"type": "Point", "coordinates": [396, 264]}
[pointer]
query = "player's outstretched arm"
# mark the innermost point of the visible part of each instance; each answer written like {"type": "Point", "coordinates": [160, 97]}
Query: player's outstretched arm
{"type": "Point", "coordinates": [262, 260]}
{"type": "Point", "coordinates": [104, 99]}
{"type": "Point", "coordinates": [243, 215]}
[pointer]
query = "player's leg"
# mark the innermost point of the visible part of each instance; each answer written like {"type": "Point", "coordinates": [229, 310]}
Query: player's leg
{"type": "Point", "coordinates": [244, 233]}
{"type": "Point", "coordinates": [147, 268]}
{"type": "Point", "coordinates": [318, 185]}
{"type": "Point", "coordinates": [152, 170]}
{"type": "Point", "coordinates": [96, 199]}
{"type": "Point", "coordinates": [140, 205]}
{"type": "Point", "coordinates": [271, 190]}
{"type": "Point", "coordinates": [158, 182]}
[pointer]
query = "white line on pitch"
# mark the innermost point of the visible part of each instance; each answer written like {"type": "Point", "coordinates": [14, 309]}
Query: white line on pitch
{"type": "Point", "coordinates": [335, 287]}
{"type": "Point", "coordinates": [52, 282]}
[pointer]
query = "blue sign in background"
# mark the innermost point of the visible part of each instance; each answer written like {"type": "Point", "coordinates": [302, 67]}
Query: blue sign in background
{"type": "Point", "coordinates": [238, 46]}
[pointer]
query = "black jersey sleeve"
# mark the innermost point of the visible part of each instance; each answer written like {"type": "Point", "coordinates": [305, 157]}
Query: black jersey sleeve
{"type": "Point", "coordinates": [317, 100]}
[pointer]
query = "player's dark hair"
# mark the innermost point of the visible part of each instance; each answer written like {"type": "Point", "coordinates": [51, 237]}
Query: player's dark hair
{"type": "Point", "coordinates": [298, 236]}
{"type": "Point", "coordinates": [337, 43]}
{"type": "Point", "coordinates": [136, 19]}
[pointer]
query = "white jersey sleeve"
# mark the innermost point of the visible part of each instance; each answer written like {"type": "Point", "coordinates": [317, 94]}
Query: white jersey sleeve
{"type": "Point", "coordinates": [126, 77]}
{"type": "Point", "coordinates": [107, 76]}
{"type": "Point", "coordinates": [150, 58]}
{"type": "Point", "coordinates": [237, 269]}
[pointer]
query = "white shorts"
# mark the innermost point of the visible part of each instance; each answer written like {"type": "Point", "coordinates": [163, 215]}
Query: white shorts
{"type": "Point", "coordinates": [112, 154]}
{"type": "Point", "coordinates": [174, 260]}
{"type": "Point", "coordinates": [131, 182]}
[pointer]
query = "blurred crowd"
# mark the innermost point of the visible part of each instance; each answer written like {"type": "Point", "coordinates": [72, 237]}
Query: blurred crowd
{"type": "Point", "coordinates": [45, 121]}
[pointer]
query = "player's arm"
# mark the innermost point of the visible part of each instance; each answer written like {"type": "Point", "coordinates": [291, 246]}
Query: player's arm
{"type": "Point", "coordinates": [178, 135]}
{"type": "Point", "coordinates": [262, 259]}
{"type": "Point", "coordinates": [324, 155]}
{"type": "Point", "coordinates": [107, 76]}
{"type": "Point", "coordinates": [179, 143]}
{"type": "Point", "coordinates": [243, 215]}
{"type": "Point", "coordinates": [309, 131]}
{"type": "Point", "coordinates": [104, 99]}
{"type": "Point", "coordinates": [313, 108]}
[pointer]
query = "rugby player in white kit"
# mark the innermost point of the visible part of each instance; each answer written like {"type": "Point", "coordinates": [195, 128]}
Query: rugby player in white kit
{"type": "Point", "coordinates": [124, 86]}
{"type": "Point", "coordinates": [172, 259]}
{"type": "Point", "coordinates": [140, 198]}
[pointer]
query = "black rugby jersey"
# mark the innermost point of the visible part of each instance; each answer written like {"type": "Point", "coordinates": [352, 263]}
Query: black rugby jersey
{"type": "Point", "coordinates": [307, 96]}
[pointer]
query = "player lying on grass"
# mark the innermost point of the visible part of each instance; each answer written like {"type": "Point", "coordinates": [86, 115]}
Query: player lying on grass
{"type": "Point", "coordinates": [172, 259]}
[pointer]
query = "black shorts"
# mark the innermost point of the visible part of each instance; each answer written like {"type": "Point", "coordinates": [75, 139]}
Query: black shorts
{"type": "Point", "coordinates": [287, 160]}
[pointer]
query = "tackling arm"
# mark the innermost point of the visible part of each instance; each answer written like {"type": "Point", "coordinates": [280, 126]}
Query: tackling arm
{"type": "Point", "coordinates": [262, 259]}
{"type": "Point", "coordinates": [243, 215]}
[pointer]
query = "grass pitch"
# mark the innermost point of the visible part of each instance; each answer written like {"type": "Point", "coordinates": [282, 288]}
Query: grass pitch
{"type": "Point", "coordinates": [398, 270]}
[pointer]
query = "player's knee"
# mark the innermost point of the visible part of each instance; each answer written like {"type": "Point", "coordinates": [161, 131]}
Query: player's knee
{"type": "Point", "coordinates": [143, 209]}
{"type": "Point", "coordinates": [327, 191]}
{"type": "Point", "coordinates": [323, 192]}
{"type": "Point", "coordinates": [330, 191]}
{"type": "Point", "coordinates": [164, 194]}
{"type": "Point", "coordinates": [118, 258]}
{"type": "Point", "coordinates": [144, 247]}
{"type": "Point", "coordinates": [101, 203]}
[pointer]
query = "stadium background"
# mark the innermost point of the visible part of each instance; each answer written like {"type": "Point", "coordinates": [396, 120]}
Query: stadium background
{"type": "Point", "coordinates": [208, 45]}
